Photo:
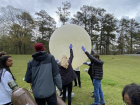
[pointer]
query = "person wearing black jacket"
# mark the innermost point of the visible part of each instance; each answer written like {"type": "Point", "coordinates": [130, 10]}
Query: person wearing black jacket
{"type": "Point", "coordinates": [97, 74]}
{"type": "Point", "coordinates": [67, 74]}
{"type": "Point", "coordinates": [91, 65]}
{"type": "Point", "coordinates": [43, 73]}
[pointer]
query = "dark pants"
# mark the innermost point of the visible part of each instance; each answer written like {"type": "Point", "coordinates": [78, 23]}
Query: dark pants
{"type": "Point", "coordinates": [91, 78]}
{"type": "Point", "coordinates": [52, 100]}
{"type": "Point", "coordinates": [78, 76]}
{"type": "Point", "coordinates": [9, 103]}
{"type": "Point", "coordinates": [69, 87]}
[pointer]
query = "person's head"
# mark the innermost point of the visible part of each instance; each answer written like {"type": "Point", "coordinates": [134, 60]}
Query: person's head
{"type": "Point", "coordinates": [131, 94]}
{"type": "Point", "coordinates": [96, 56]}
{"type": "Point", "coordinates": [39, 47]}
{"type": "Point", "coordinates": [3, 53]}
{"type": "Point", "coordinates": [6, 62]}
{"type": "Point", "coordinates": [64, 62]}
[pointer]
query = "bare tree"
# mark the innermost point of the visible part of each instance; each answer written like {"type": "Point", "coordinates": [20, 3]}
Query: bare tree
{"type": "Point", "coordinates": [63, 12]}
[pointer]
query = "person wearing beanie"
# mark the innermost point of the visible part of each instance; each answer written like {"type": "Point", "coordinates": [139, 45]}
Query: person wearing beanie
{"type": "Point", "coordinates": [43, 73]}
{"type": "Point", "coordinates": [39, 47]}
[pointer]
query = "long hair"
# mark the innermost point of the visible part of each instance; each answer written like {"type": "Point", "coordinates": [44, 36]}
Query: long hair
{"type": "Point", "coordinates": [64, 62]}
{"type": "Point", "coordinates": [3, 65]}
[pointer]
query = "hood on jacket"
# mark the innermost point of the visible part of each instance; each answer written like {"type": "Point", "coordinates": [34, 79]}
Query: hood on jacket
{"type": "Point", "coordinates": [40, 56]}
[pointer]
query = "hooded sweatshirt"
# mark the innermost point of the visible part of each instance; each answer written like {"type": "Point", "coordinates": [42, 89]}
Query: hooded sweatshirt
{"type": "Point", "coordinates": [43, 73]}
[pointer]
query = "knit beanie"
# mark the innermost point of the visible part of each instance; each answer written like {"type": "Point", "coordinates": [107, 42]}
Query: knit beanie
{"type": "Point", "coordinates": [39, 47]}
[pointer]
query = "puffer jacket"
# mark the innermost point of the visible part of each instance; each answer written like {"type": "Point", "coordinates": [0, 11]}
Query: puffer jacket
{"type": "Point", "coordinates": [97, 70]}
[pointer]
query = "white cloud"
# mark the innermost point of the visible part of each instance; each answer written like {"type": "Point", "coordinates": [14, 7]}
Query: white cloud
{"type": "Point", "coordinates": [120, 8]}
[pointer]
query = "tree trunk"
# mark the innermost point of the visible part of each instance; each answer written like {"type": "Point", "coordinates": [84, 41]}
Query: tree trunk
{"type": "Point", "coordinates": [19, 49]}
{"type": "Point", "coordinates": [131, 44]}
{"type": "Point", "coordinates": [100, 41]}
{"type": "Point", "coordinates": [97, 48]}
{"type": "Point", "coordinates": [24, 49]}
{"type": "Point", "coordinates": [107, 46]}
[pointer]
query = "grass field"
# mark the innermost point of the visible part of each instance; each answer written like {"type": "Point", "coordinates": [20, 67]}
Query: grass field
{"type": "Point", "coordinates": [118, 72]}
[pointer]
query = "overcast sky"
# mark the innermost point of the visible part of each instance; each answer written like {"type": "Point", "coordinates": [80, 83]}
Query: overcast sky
{"type": "Point", "coordinates": [120, 8]}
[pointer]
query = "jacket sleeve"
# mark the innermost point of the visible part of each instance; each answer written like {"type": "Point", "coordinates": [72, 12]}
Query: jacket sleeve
{"type": "Point", "coordinates": [71, 56]}
{"type": "Point", "coordinates": [56, 76]}
{"type": "Point", "coordinates": [5, 79]}
{"type": "Point", "coordinates": [92, 59]}
{"type": "Point", "coordinates": [28, 75]}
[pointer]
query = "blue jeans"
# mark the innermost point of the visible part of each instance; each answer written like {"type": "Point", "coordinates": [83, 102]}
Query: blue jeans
{"type": "Point", "coordinates": [98, 91]}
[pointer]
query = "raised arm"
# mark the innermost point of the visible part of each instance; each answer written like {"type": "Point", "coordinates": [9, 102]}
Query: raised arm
{"type": "Point", "coordinates": [92, 59]}
{"type": "Point", "coordinates": [71, 54]}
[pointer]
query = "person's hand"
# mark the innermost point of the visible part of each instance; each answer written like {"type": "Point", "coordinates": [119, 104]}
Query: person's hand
{"type": "Point", "coordinates": [85, 63]}
{"type": "Point", "coordinates": [61, 92]}
{"type": "Point", "coordinates": [56, 60]}
{"type": "Point", "coordinates": [83, 48]}
{"type": "Point", "coordinates": [88, 63]}
{"type": "Point", "coordinates": [70, 47]}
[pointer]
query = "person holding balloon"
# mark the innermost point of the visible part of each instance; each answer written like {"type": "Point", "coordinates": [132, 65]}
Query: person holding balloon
{"type": "Point", "coordinates": [97, 74]}
{"type": "Point", "coordinates": [67, 74]}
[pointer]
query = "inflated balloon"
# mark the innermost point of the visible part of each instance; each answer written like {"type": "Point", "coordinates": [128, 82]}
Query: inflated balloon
{"type": "Point", "coordinates": [66, 35]}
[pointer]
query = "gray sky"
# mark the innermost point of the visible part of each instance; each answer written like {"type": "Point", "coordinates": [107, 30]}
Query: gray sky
{"type": "Point", "coordinates": [120, 8]}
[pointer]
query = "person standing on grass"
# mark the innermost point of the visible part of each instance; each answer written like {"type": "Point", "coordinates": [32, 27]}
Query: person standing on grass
{"type": "Point", "coordinates": [5, 76]}
{"type": "Point", "coordinates": [43, 73]}
{"type": "Point", "coordinates": [91, 65]}
{"type": "Point", "coordinates": [67, 74]}
{"type": "Point", "coordinates": [77, 71]}
{"type": "Point", "coordinates": [97, 74]}
{"type": "Point", "coordinates": [2, 53]}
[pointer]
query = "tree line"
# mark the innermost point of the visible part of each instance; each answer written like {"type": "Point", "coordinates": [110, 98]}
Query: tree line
{"type": "Point", "coordinates": [19, 30]}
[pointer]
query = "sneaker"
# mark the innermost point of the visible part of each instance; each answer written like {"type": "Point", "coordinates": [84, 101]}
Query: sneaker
{"type": "Point", "coordinates": [74, 85]}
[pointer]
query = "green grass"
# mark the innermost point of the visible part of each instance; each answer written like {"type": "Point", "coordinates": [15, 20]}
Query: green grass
{"type": "Point", "coordinates": [118, 72]}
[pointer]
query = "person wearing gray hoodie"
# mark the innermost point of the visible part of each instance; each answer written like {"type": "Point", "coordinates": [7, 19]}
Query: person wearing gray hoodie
{"type": "Point", "coordinates": [43, 73]}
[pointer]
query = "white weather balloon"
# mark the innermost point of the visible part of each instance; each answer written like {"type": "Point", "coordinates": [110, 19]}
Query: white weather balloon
{"type": "Point", "coordinates": [66, 35]}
